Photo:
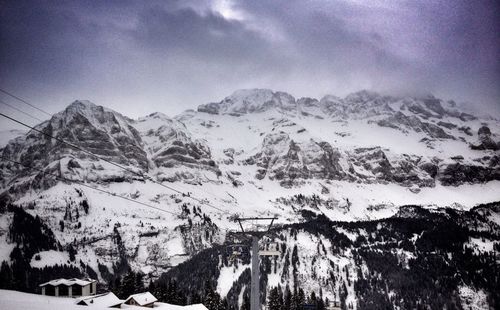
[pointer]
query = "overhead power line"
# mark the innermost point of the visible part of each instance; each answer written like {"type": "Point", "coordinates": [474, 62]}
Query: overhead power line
{"type": "Point", "coordinates": [96, 156]}
{"type": "Point", "coordinates": [24, 101]}
{"type": "Point", "coordinates": [20, 111]}
{"type": "Point", "coordinates": [70, 144]}
{"type": "Point", "coordinates": [81, 183]}
{"type": "Point", "coordinates": [145, 177]}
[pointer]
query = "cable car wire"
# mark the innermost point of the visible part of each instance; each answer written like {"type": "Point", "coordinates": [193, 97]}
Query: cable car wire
{"type": "Point", "coordinates": [24, 101]}
{"type": "Point", "coordinates": [91, 187]}
{"type": "Point", "coordinates": [145, 177]}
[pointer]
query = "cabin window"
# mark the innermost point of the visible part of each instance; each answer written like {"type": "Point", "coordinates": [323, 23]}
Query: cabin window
{"type": "Point", "coordinates": [91, 288]}
{"type": "Point", "coordinates": [63, 290]}
{"type": "Point", "coordinates": [77, 290]}
{"type": "Point", "coordinates": [50, 290]}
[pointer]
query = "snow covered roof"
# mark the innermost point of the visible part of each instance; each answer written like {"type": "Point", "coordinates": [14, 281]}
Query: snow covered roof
{"type": "Point", "coordinates": [68, 282]}
{"type": "Point", "coordinates": [142, 298]}
{"type": "Point", "coordinates": [196, 307]}
{"type": "Point", "coordinates": [103, 300]}
{"type": "Point", "coordinates": [164, 306]}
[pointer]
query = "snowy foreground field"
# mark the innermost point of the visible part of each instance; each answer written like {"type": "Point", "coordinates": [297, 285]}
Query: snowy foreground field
{"type": "Point", "coordinates": [13, 300]}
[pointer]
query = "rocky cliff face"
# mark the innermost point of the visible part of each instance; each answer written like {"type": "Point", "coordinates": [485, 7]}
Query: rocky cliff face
{"type": "Point", "coordinates": [290, 162]}
{"type": "Point", "coordinates": [294, 149]}
{"type": "Point", "coordinates": [485, 140]}
{"type": "Point", "coordinates": [170, 147]}
{"type": "Point", "coordinates": [250, 101]}
{"type": "Point", "coordinates": [143, 146]}
{"type": "Point", "coordinates": [98, 130]}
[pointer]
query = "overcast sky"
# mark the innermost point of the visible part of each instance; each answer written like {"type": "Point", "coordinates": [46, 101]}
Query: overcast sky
{"type": "Point", "coordinates": [138, 57]}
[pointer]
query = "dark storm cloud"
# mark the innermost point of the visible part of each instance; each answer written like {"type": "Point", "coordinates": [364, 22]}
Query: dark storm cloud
{"type": "Point", "coordinates": [210, 37]}
{"type": "Point", "coordinates": [172, 55]}
{"type": "Point", "coordinates": [43, 42]}
{"type": "Point", "coordinates": [412, 47]}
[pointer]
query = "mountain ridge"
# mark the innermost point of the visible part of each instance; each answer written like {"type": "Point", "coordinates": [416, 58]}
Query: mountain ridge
{"type": "Point", "coordinates": [161, 141]}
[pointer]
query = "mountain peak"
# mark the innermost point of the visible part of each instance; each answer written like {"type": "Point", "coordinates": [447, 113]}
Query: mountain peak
{"type": "Point", "coordinates": [251, 93]}
{"type": "Point", "coordinates": [362, 95]}
{"type": "Point", "coordinates": [157, 115]}
{"type": "Point", "coordinates": [90, 111]}
{"type": "Point", "coordinates": [249, 101]}
{"type": "Point", "coordinates": [83, 102]}
{"type": "Point", "coordinates": [81, 105]}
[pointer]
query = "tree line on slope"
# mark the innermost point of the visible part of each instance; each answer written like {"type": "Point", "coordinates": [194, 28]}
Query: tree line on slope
{"type": "Point", "coordinates": [168, 291]}
{"type": "Point", "coordinates": [442, 262]}
{"type": "Point", "coordinates": [30, 236]}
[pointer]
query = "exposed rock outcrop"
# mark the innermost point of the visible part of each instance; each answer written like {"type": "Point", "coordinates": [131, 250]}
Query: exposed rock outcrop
{"type": "Point", "coordinates": [485, 140]}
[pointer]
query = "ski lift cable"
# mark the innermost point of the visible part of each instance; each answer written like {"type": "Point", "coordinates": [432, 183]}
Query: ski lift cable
{"type": "Point", "coordinates": [180, 192]}
{"type": "Point", "coordinates": [92, 187]}
{"type": "Point", "coordinates": [24, 101]}
{"type": "Point", "coordinates": [35, 107]}
{"type": "Point", "coordinates": [145, 177]}
{"type": "Point", "coordinates": [20, 111]}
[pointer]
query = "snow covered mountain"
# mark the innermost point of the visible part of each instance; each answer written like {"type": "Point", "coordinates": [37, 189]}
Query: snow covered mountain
{"type": "Point", "coordinates": [256, 152]}
{"type": "Point", "coordinates": [364, 137]}
{"type": "Point", "coordinates": [7, 135]}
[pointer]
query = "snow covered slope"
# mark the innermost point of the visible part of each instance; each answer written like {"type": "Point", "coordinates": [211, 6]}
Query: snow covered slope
{"type": "Point", "coordinates": [364, 138]}
{"type": "Point", "coordinates": [257, 152]}
{"type": "Point", "coordinates": [7, 135]}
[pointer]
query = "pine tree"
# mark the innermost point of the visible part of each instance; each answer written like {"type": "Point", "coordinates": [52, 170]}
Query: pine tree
{"type": "Point", "coordinates": [246, 302]}
{"type": "Point", "coordinates": [6, 277]}
{"type": "Point", "coordinates": [72, 252]}
{"type": "Point", "coordinates": [320, 304]}
{"type": "Point", "coordinates": [274, 302]}
{"type": "Point", "coordinates": [224, 304]}
{"type": "Point", "coordinates": [152, 286]}
{"type": "Point", "coordinates": [211, 300]}
{"type": "Point", "coordinates": [287, 300]}
{"type": "Point", "coordinates": [295, 304]}
{"type": "Point", "coordinates": [343, 295]}
{"type": "Point", "coordinates": [312, 300]}
{"type": "Point", "coordinates": [195, 298]}
{"type": "Point", "coordinates": [172, 292]}
{"type": "Point", "coordinates": [301, 298]}
{"type": "Point", "coordinates": [298, 299]}
{"type": "Point", "coordinates": [128, 285]}
{"type": "Point", "coordinates": [138, 283]}
{"type": "Point", "coordinates": [116, 286]}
